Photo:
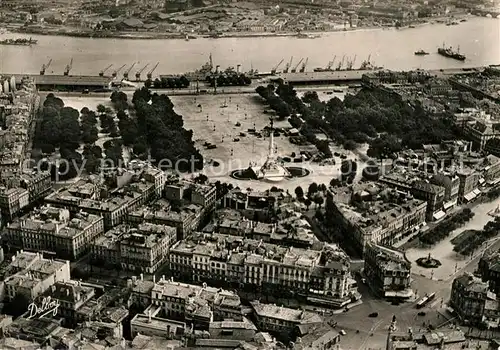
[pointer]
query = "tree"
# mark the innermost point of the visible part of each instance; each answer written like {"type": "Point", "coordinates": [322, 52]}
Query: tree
{"type": "Point", "coordinates": [319, 201]}
{"type": "Point", "coordinates": [319, 215]}
{"type": "Point", "coordinates": [308, 203]}
{"type": "Point", "coordinates": [201, 179]}
{"type": "Point", "coordinates": [313, 188]}
{"type": "Point", "coordinates": [299, 192]}
{"type": "Point", "coordinates": [101, 109]}
{"type": "Point", "coordinates": [350, 145]}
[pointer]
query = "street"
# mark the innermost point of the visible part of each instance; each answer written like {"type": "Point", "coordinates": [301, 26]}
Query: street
{"type": "Point", "coordinates": [373, 331]}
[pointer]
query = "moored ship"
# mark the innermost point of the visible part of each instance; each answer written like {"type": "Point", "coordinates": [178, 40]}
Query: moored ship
{"type": "Point", "coordinates": [449, 52]}
{"type": "Point", "coordinates": [421, 53]}
{"type": "Point", "coordinates": [19, 42]}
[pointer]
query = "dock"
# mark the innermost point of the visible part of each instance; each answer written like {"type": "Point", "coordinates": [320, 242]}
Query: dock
{"type": "Point", "coordinates": [80, 83]}
{"type": "Point", "coordinates": [66, 82]}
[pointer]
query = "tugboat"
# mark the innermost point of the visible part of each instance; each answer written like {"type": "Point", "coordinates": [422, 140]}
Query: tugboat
{"type": "Point", "coordinates": [449, 52]}
{"type": "Point", "coordinates": [421, 53]}
{"type": "Point", "coordinates": [19, 42]}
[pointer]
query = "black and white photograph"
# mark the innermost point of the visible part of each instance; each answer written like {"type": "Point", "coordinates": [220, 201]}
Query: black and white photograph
{"type": "Point", "coordinates": [249, 175]}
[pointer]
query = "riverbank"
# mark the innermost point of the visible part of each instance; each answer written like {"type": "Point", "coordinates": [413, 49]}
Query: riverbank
{"type": "Point", "coordinates": [143, 35]}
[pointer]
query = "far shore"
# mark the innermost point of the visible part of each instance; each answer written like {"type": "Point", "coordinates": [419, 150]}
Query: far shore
{"type": "Point", "coordinates": [182, 36]}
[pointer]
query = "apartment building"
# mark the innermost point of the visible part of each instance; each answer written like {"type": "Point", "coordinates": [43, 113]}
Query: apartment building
{"type": "Point", "coordinates": [52, 230]}
{"type": "Point", "coordinates": [18, 107]}
{"type": "Point", "coordinates": [451, 184]}
{"type": "Point", "coordinates": [379, 215]}
{"type": "Point", "coordinates": [473, 302]}
{"type": "Point", "coordinates": [489, 270]}
{"type": "Point", "coordinates": [141, 249]}
{"type": "Point", "coordinates": [469, 183]}
{"type": "Point", "coordinates": [71, 296]}
{"type": "Point", "coordinates": [481, 129]}
{"type": "Point", "coordinates": [192, 304]}
{"type": "Point", "coordinates": [491, 169]}
{"type": "Point", "coordinates": [322, 276]}
{"type": "Point", "coordinates": [32, 275]}
{"type": "Point", "coordinates": [19, 190]}
{"type": "Point", "coordinates": [284, 321]}
{"type": "Point", "coordinates": [388, 272]}
{"type": "Point", "coordinates": [112, 204]}
{"type": "Point", "coordinates": [185, 219]}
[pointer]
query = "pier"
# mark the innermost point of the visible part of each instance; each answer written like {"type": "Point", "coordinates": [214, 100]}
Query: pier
{"type": "Point", "coordinates": [84, 83]}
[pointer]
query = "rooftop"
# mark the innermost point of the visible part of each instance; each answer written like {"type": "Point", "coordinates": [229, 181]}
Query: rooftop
{"type": "Point", "coordinates": [390, 259]}
{"type": "Point", "coordinates": [220, 246]}
{"type": "Point", "coordinates": [70, 80]}
{"type": "Point", "coordinates": [285, 314]}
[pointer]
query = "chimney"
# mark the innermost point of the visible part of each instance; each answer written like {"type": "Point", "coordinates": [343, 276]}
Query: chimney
{"type": "Point", "coordinates": [142, 277]}
{"type": "Point", "coordinates": [149, 315]}
{"type": "Point", "coordinates": [238, 68]}
{"type": "Point", "coordinates": [163, 278]}
{"type": "Point", "coordinates": [154, 278]}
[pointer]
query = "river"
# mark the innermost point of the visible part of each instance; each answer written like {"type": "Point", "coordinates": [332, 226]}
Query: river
{"type": "Point", "coordinates": [478, 38]}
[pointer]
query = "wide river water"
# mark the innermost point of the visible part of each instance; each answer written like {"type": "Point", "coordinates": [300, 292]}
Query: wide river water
{"type": "Point", "coordinates": [478, 38]}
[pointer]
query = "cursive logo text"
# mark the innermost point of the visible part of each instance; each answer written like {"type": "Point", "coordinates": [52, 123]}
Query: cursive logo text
{"type": "Point", "coordinates": [48, 306]}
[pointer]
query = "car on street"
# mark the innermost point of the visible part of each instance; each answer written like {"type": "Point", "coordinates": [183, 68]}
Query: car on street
{"type": "Point", "coordinates": [421, 313]}
{"type": "Point", "coordinates": [342, 332]}
{"type": "Point", "coordinates": [373, 314]}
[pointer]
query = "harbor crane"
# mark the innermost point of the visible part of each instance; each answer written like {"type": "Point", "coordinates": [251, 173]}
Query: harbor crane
{"type": "Point", "coordinates": [101, 73]}
{"type": "Point", "coordinates": [115, 73]}
{"type": "Point", "coordinates": [288, 65]}
{"type": "Point", "coordinates": [125, 74]}
{"type": "Point", "coordinates": [68, 67]}
{"type": "Point", "coordinates": [341, 63]}
{"type": "Point", "coordinates": [353, 61]}
{"type": "Point", "coordinates": [349, 64]}
{"type": "Point", "coordinates": [294, 69]}
{"type": "Point", "coordinates": [45, 67]}
{"type": "Point", "coordinates": [275, 68]}
{"type": "Point", "coordinates": [150, 73]}
{"type": "Point", "coordinates": [138, 74]}
{"type": "Point", "coordinates": [303, 68]}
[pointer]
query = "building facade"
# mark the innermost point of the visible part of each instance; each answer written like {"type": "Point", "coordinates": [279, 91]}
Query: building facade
{"type": "Point", "coordinates": [388, 272]}
{"type": "Point", "coordinates": [52, 230]}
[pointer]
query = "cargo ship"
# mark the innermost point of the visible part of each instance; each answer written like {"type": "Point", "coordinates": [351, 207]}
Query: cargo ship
{"type": "Point", "coordinates": [449, 52]}
{"type": "Point", "coordinates": [421, 53]}
{"type": "Point", "coordinates": [19, 42]}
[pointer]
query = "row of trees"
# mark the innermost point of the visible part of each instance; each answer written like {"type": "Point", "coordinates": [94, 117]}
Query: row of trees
{"type": "Point", "coordinates": [445, 228]}
{"type": "Point", "coordinates": [385, 121]}
{"type": "Point", "coordinates": [58, 126]}
{"type": "Point", "coordinates": [469, 245]}
{"type": "Point", "coordinates": [284, 101]}
{"type": "Point", "coordinates": [314, 194]}
{"type": "Point", "coordinates": [229, 80]}
{"type": "Point", "coordinates": [168, 83]}
{"type": "Point", "coordinates": [150, 125]}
